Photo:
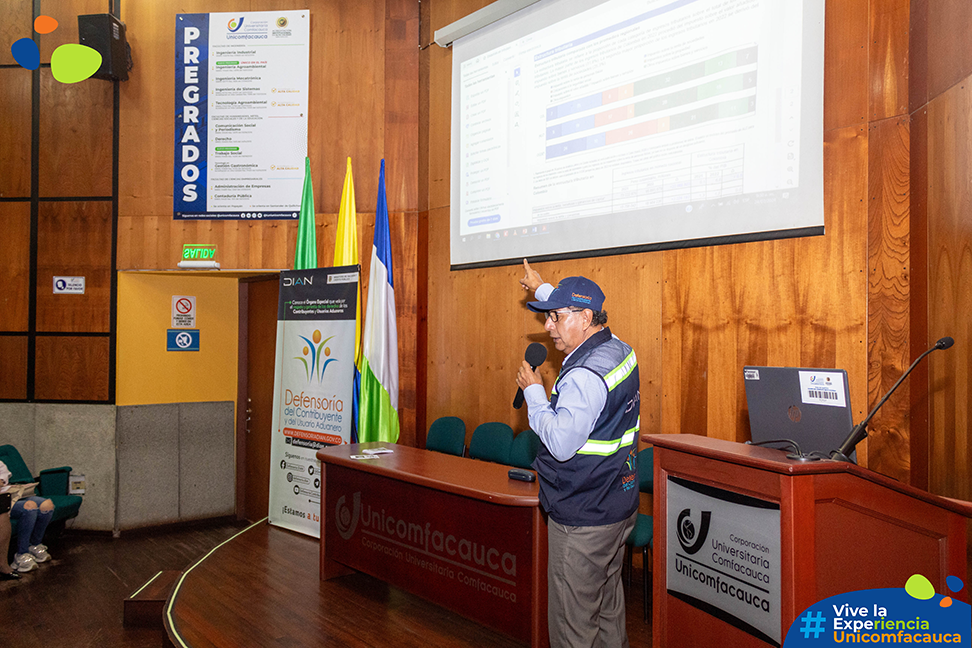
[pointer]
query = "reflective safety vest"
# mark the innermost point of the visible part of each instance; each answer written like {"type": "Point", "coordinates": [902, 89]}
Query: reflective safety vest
{"type": "Point", "coordinates": [599, 484]}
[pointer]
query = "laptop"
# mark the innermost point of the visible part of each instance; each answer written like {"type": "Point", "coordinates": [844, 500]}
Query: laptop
{"type": "Point", "coordinates": [808, 406]}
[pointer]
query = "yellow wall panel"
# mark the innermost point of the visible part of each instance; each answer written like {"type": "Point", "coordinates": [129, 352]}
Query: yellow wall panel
{"type": "Point", "coordinates": [146, 372]}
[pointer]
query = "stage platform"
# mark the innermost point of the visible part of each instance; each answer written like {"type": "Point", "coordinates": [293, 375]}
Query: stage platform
{"type": "Point", "coordinates": [261, 587]}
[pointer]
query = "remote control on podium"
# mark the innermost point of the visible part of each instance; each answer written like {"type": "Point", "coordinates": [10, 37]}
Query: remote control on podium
{"type": "Point", "coordinates": [522, 475]}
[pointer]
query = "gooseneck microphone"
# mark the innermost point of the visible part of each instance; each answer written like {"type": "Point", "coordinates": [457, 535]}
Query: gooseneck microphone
{"type": "Point", "coordinates": [860, 430]}
{"type": "Point", "coordinates": [535, 354]}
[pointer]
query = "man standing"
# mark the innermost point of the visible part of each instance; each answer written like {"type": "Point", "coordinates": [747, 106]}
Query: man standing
{"type": "Point", "coordinates": [586, 462]}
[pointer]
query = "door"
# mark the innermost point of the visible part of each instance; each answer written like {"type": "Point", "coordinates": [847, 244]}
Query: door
{"type": "Point", "coordinates": [256, 371]}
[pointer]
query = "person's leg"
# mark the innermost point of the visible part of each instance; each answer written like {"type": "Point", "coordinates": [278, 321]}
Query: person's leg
{"type": "Point", "coordinates": [45, 513]}
{"type": "Point", "coordinates": [581, 563]}
{"type": "Point", "coordinates": [25, 512]}
{"type": "Point", "coordinates": [4, 542]}
{"type": "Point", "coordinates": [612, 629]}
{"type": "Point", "coordinates": [571, 617]}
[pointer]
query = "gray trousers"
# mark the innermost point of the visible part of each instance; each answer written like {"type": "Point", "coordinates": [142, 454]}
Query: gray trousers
{"type": "Point", "coordinates": [585, 596]}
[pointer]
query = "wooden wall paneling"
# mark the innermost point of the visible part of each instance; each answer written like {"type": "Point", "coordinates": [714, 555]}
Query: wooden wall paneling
{"type": "Point", "coordinates": [352, 102]}
{"type": "Point", "coordinates": [147, 113]}
{"type": "Point", "coordinates": [450, 332]}
{"type": "Point", "coordinates": [843, 292]}
{"type": "Point", "coordinates": [16, 22]}
{"type": "Point", "coordinates": [71, 368]}
{"type": "Point", "coordinates": [949, 54]}
{"type": "Point", "coordinates": [918, 304]}
{"type": "Point", "coordinates": [74, 239]}
{"type": "Point", "coordinates": [15, 266]}
{"type": "Point", "coordinates": [446, 12]}
{"type": "Point", "coordinates": [635, 315]}
{"type": "Point", "coordinates": [423, 295]}
{"type": "Point", "coordinates": [438, 96]}
{"type": "Point", "coordinates": [424, 125]}
{"type": "Point", "coordinates": [918, 55]}
{"type": "Point", "coordinates": [405, 232]}
{"type": "Point", "coordinates": [723, 374]}
{"type": "Point", "coordinates": [888, 58]}
{"type": "Point", "coordinates": [686, 345]}
{"type": "Point", "coordinates": [845, 64]}
{"type": "Point", "coordinates": [144, 242]}
{"type": "Point", "coordinates": [950, 288]}
{"type": "Point", "coordinates": [439, 114]}
{"type": "Point", "coordinates": [889, 293]}
{"type": "Point", "coordinates": [75, 137]}
{"type": "Point", "coordinates": [13, 367]}
{"type": "Point", "coordinates": [401, 56]}
{"type": "Point", "coordinates": [66, 13]}
{"type": "Point", "coordinates": [753, 335]}
{"type": "Point", "coordinates": [15, 130]}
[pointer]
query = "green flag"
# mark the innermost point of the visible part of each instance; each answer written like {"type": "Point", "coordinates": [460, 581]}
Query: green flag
{"type": "Point", "coordinates": [305, 257]}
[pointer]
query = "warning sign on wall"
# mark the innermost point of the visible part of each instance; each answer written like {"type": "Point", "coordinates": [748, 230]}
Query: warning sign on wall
{"type": "Point", "coordinates": [183, 312]}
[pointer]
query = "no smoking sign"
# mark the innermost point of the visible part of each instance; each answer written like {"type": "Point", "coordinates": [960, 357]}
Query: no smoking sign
{"type": "Point", "coordinates": [183, 311]}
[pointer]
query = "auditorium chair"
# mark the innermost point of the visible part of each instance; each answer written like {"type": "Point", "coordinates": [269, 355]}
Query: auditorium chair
{"type": "Point", "coordinates": [492, 442]}
{"type": "Point", "coordinates": [52, 484]}
{"type": "Point", "coordinates": [642, 536]}
{"type": "Point", "coordinates": [524, 449]}
{"type": "Point", "coordinates": [447, 434]}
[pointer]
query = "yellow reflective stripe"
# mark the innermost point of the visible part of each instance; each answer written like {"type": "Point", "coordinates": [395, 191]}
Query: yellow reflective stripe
{"type": "Point", "coordinates": [605, 448]}
{"type": "Point", "coordinates": [622, 371]}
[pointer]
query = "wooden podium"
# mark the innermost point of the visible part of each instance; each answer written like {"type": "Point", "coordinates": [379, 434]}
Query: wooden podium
{"type": "Point", "coordinates": [841, 528]}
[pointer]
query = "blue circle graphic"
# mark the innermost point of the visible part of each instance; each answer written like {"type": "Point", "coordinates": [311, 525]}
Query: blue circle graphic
{"type": "Point", "coordinates": [26, 53]}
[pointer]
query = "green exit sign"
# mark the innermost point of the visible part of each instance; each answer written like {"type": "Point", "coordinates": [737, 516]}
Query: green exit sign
{"type": "Point", "coordinates": [190, 251]}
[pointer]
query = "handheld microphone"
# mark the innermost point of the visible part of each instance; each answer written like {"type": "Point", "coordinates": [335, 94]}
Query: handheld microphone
{"type": "Point", "coordinates": [860, 430]}
{"type": "Point", "coordinates": [535, 354]}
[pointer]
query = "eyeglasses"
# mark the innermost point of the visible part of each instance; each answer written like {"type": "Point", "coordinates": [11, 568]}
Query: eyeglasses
{"type": "Point", "coordinates": [556, 315]}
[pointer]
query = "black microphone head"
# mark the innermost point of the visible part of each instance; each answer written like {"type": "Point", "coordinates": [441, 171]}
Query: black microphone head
{"type": "Point", "coordinates": [536, 353]}
{"type": "Point", "coordinates": [944, 343]}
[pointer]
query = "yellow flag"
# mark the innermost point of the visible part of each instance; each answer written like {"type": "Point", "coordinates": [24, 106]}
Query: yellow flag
{"type": "Point", "coordinates": [346, 248]}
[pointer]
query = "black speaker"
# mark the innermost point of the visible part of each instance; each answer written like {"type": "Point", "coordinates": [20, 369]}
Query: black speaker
{"type": "Point", "coordinates": [106, 35]}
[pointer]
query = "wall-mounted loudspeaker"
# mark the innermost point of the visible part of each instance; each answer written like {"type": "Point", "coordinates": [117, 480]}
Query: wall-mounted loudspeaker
{"type": "Point", "coordinates": [106, 34]}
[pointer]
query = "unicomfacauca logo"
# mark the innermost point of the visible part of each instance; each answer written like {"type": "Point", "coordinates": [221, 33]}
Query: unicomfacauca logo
{"type": "Point", "coordinates": [690, 539]}
{"type": "Point", "coordinates": [346, 519]}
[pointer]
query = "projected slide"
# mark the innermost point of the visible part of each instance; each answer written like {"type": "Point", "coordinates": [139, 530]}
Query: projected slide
{"type": "Point", "coordinates": [632, 125]}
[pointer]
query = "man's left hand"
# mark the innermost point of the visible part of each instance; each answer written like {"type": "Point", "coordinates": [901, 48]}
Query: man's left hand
{"type": "Point", "coordinates": [527, 375]}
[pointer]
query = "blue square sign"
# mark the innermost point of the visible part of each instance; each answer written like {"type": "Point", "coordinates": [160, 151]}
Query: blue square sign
{"type": "Point", "coordinates": [182, 340]}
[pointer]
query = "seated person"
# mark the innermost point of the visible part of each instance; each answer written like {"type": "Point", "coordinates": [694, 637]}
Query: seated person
{"type": "Point", "coordinates": [6, 571]}
{"type": "Point", "coordinates": [33, 514]}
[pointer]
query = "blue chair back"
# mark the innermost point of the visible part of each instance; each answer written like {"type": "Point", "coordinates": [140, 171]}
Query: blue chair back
{"type": "Point", "coordinates": [447, 434]}
{"type": "Point", "coordinates": [492, 442]}
{"type": "Point", "coordinates": [524, 449]}
{"type": "Point", "coordinates": [19, 473]}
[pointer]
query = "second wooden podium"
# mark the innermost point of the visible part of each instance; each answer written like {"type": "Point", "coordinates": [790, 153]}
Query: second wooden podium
{"type": "Point", "coordinates": [746, 539]}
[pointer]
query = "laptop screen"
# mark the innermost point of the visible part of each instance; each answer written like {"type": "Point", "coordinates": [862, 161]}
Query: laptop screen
{"type": "Point", "coordinates": [808, 406]}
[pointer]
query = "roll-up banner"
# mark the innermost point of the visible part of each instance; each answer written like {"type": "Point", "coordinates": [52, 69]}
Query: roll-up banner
{"type": "Point", "coordinates": [313, 376]}
{"type": "Point", "coordinates": [240, 114]}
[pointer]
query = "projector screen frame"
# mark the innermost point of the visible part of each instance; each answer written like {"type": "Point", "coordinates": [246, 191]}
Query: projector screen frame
{"type": "Point", "coordinates": [809, 183]}
{"type": "Point", "coordinates": [753, 237]}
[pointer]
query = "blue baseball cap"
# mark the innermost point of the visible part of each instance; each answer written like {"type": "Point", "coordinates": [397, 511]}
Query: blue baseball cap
{"type": "Point", "coordinates": [572, 292]}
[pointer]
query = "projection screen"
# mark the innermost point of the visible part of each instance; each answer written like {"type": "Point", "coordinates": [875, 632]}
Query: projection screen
{"type": "Point", "coordinates": [586, 128]}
